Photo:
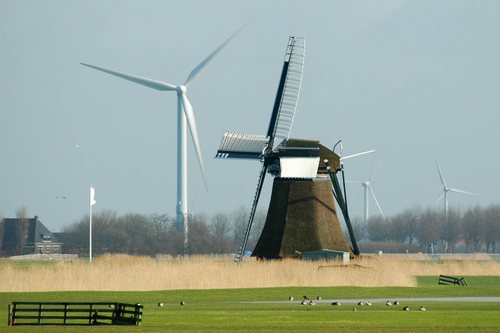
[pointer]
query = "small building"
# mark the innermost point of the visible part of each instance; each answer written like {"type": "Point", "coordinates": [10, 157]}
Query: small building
{"type": "Point", "coordinates": [27, 236]}
{"type": "Point", "coordinates": [326, 254]}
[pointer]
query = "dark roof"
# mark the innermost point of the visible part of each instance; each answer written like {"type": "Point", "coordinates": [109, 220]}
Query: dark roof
{"type": "Point", "coordinates": [37, 232]}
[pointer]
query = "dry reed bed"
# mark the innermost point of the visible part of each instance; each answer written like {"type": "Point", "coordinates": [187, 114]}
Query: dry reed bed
{"type": "Point", "coordinates": [120, 272]}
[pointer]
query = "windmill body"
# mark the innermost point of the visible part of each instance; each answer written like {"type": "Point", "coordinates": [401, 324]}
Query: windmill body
{"type": "Point", "coordinates": [302, 213]}
{"type": "Point", "coordinates": [185, 119]}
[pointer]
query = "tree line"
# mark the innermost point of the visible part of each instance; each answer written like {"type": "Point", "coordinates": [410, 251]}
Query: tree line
{"type": "Point", "coordinates": [420, 229]}
{"type": "Point", "coordinates": [156, 234]}
{"type": "Point", "coordinates": [476, 229]}
{"type": "Point", "coordinates": [415, 229]}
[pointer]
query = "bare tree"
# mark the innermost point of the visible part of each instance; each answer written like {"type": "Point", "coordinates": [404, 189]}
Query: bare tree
{"type": "Point", "coordinates": [239, 219]}
{"type": "Point", "coordinates": [199, 235]}
{"type": "Point", "coordinates": [164, 234]}
{"type": "Point", "coordinates": [450, 230]}
{"type": "Point", "coordinates": [492, 227]}
{"type": "Point", "coordinates": [257, 226]}
{"type": "Point", "coordinates": [2, 224]}
{"type": "Point", "coordinates": [396, 230]}
{"type": "Point", "coordinates": [428, 228]}
{"type": "Point", "coordinates": [21, 229]}
{"type": "Point", "coordinates": [220, 231]}
{"type": "Point", "coordinates": [377, 229]}
{"type": "Point", "coordinates": [473, 227]}
{"type": "Point", "coordinates": [359, 229]}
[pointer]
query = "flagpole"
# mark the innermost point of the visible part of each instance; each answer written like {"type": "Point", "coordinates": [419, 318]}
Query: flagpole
{"type": "Point", "coordinates": [90, 223]}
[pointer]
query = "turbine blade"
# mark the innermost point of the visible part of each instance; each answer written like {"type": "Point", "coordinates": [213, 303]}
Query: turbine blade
{"type": "Point", "coordinates": [461, 191]}
{"type": "Point", "coordinates": [376, 202]}
{"type": "Point", "coordinates": [438, 199]}
{"type": "Point", "coordinates": [158, 85]}
{"type": "Point", "coordinates": [188, 111]}
{"type": "Point", "coordinates": [358, 154]}
{"type": "Point", "coordinates": [440, 173]}
{"type": "Point", "coordinates": [375, 171]}
{"type": "Point", "coordinates": [198, 69]}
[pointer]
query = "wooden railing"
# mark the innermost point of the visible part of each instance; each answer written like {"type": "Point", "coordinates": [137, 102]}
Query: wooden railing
{"type": "Point", "coordinates": [74, 313]}
{"type": "Point", "coordinates": [444, 279]}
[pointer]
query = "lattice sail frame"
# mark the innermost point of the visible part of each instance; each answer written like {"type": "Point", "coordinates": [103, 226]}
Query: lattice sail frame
{"type": "Point", "coordinates": [239, 145]}
{"type": "Point", "coordinates": [251, 146]}
{"type": "Point", "coordinates": [294, 57]}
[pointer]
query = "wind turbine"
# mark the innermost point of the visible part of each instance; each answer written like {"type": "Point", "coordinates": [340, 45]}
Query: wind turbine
{"type": "Point", "coordinates": [184, 114]}
{"type": "Point", "coordinates": [367, 189]}
{"type": "Point", "coordinates": [447, 189]}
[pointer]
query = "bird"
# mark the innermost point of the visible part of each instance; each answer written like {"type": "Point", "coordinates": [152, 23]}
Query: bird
{"type": "Point", "coordinates": [336, 303]}
{"type": "Point", "coordinates": [368, 303]}
{"type": "Point", "coordinates": [160, 304]}
{"type": "Point", "coordinates": [182, 303]}
{"type": "Point", "coordinates": [361, 303]}
{"type": "Point", "coordinates": [388, 303]}
{"type": "Point", "coordinates": [354, 309]}
{"type": "Point", "coordinates": [306, 298]}
{"type": "Point", "coordinates": [290, 298]}
{"type": "Point", "coordinates": [406, 308]}
{"type": "Point", "coordinates": [304, 302]}
{"type": "Point", "coordinates": [396, 303]}
{"type": "Point", "coordinates": [318, 298]}
{"type": "Point", "coordinates": [422, 308]}
{"type": "Point", "coordinates": [312, 303]}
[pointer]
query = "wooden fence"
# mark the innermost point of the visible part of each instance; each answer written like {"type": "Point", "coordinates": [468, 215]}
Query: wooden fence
{"type": "Point", "coordinates": [74, 313]}
{"type": "Point", "coordinates": [444, 279]}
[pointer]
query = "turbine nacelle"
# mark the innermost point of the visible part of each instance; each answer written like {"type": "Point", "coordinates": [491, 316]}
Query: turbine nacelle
{"type": "Point", "coordinates": [181, 90]}
{"type": "Point", "coordinates": [447, 189]}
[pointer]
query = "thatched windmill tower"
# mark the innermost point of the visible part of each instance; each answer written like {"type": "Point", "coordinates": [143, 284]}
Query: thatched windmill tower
{"type": "Point", "coordinates": [302, 214]}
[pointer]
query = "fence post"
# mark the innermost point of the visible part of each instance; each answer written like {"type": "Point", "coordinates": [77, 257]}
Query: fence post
{"type": "Point", "coordinates": [39, 313]}
{"type": "Point", "coordinates": [65, 313]}
{"type": "Point", "coordinates": [9, 319]}
{"type": "Point", "coordinates": [137, 314]}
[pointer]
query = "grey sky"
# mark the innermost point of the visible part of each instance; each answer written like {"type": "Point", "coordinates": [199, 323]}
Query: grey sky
{"type": "Point", "coordinates": [415, 80]}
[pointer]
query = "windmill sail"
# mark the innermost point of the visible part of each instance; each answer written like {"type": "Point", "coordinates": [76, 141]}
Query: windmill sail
{"type": "Point", "coordinates": [238, 145]}
{"type": "Point", "coordinates": [288, 91]}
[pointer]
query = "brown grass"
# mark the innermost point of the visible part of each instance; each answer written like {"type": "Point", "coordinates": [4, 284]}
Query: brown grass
{"type": "Point", "coordinates": [120, 272]}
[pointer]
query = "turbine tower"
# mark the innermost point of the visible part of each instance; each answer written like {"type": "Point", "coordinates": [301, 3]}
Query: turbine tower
{"type": "Point", "coordinates": [447, 189]}
{"type": "Point", "coordinates": [367, 190]}
{"type": "Point", "coordinates": [185, 115]}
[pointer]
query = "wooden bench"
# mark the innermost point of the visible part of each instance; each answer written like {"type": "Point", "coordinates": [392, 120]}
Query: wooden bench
{"type": "Point", "coordinates": [447, 280]}
{"type": "Point", "coordinates": [74, 313]}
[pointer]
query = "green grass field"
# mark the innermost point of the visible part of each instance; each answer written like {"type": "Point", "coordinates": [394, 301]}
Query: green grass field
{"type": "Point", "coordinates": [259, 310]}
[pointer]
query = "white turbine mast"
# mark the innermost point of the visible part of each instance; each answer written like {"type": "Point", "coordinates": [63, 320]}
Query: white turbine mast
{"type": "Point", "coordinates": [367, 191]}
{"type": "Point", "coordinates": [367, 187]}
{"type": "Point", "coordinates": [447, 189]}
{"type": "Point", "coordinates": [184, 114]}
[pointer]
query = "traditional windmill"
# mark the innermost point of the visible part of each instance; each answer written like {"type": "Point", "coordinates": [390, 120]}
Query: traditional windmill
{"type": "Point", "coordinates": [302, 214]}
